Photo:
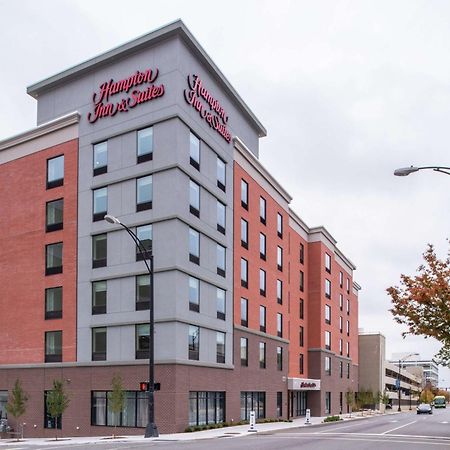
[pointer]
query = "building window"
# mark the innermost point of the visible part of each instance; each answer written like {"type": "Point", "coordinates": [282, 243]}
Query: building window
{"type": "Point", "coordinates": [341, 323]}
{"type": "Point", "coordinates": [348, 370]}
{"type": "Point", "coordinates": [328, 365]}
{"type": "Point", "coordinates": [348, 348]}
{"type": "Point", "coordinates": [244, 194]}
{"type": "Point", "coordinates": [142, 341]}
{"type": "Point", "coordinates": [262, 246]}
{"type": "Point", "coordinates": [340, 346]}
{"type": "Point", "coordinates": [194, 342]}
{"type": "Point", "coordinates": [194, 198]}
{"type": "Point", "coordinates": [99, 297]}
{"type": "Point", "coordinates": [99, 344]}
{"type": "Point", "coordinates": [220, 301]}
{"type": "Point", "coordinates": [244, 233]}
{"type": "Point", "coordinates": [221, 217]}
{"type": "Point", "coordinates": [244, 312]}
{"type": "Point", "coordinates": [341, 369]}
{"type": "Point", "coordinates": [262, 318]}
{"type": "Point", "coordinates": [194, 151]}
{"type": "Point", "coordinates": [142, 292]}
{"type": "Point", "coordinates": [100, 158]}
{"type": "Point", "coordinates": [279, 404]}
{"type": "Point", "coordinates": [145, 145]}
{"type": "Point", "coordinates": [348, 286]}
{"type": "Point", "coordinates": [253, 401]}
{"type": "Point", "coordinates": [99, 250]}
{"type": "Point", "coordinates": [341, 279]}
{"type": "Point", "coordinates": [302, 254]}
{"type": "Point", "coordinates": [100, 204]}
{"type": "Point", "coordinates": [262, 355]}
{"type": "Point", "coordinates": [348, 306]}
{"type": "Point", "coordinates": [327, 262]}
{"type": "Point", "coordinates": [327, 402]}
{"type": "Point", "coordinates": [301, 362]}
{"type": "Point", "coordinates": [301, 340]}
{"type": "Point", "coordinates": [302, 281]}
{"type": "Point", "coordinates": [134, 414]}
{"type": "Point", "coordinates": [144, 193]}
{"type": "Point", "coordinates": [194, 294]}
{"type": "Point", "coordinates": [54, 258]}
{"type": "Point", "coordinates": [348, 328]}
{"type": "Point", "coordinates": [53, 303]}
{"type": "Point", "coordinates": [50, 422]}
{"type": "Point", "coordinates": [279, 358]}
{"type": "Point", "coordinates": [221, 256]}
{"type": "Point", "coordinates": [220, 347]}
{"type": "Point", "coordinates": [244, 273]}
{"type": "Point", "coordinates": [206, 407]}
{"type": "Point", "coordinates": [301, 309]}
{"type": "Point", "coordinates": [262, 210]}
{"type": "Point", "coordinates": [55, 172]}
{"type": "Point", "coordinates": [279, 292]}
{"type": "Point", "coordinates": [221, 174]}
{"type": "Point", "coordinates": [327, 288]}
{"type": "Point", "coordinates": [279, 225]}
{"type": "Point", "coordinates": [53, 346]}
{"type": "Point", "coordinates": [279, 258]}
{"type": "Point", "coordinates": [341, 301]}
{"type": "Point", "coordinates": [262, 282]}
{"type": "Point", "coordinates": [328, 314]}
{"type": "Point", "coordinates": [54, 212]}
{"type": "Point", "coordinates": [328, 340]}
{"type": "Point", "coordinates": [3, 403]}
{"type": "Point", "coordinates": [244, 352]}
{"type": "Point", "coordinates": [279, 325]}
{"type": "Point", "coordinates": [194, 246]}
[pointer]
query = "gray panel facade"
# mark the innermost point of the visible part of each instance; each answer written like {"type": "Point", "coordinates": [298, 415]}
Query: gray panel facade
{"type": "Point", "coordinates": [172, 119]}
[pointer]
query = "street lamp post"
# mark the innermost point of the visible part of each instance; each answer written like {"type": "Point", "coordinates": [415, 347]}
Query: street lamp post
{"type": "Point", "coordinates": [398, 380]}
{"type": "Point", "coordinates": [151, 430]}
{"type": "Point", "coordinates": [405, 171]}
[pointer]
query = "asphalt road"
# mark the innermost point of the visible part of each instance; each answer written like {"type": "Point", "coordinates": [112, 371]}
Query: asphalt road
{"type": "Point", "coordinates": [391, 432]}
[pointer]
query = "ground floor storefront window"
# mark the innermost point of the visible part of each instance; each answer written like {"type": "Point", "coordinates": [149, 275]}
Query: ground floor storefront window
{"type": "Point", "coordinates": [206, 407]}
{"type": "Point", "coordinates": [3, 402]}
{"type": "Point", "coordinates": [134, 413]}
{"type": "Point", "coordinates": [253, 401]}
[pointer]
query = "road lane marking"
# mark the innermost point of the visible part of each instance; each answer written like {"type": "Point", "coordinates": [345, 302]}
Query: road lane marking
{"type": "Point", "coordinates": [401, 426]}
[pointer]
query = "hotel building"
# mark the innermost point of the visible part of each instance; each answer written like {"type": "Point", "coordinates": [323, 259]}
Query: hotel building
{"type": "Point", "coordinates": [254, 310]}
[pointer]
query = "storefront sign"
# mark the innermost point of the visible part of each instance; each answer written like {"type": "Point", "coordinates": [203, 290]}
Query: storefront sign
{"type": "Point", "coordinates": [207, 106]}
{"type": "Point", "coordinates": [147, 91]}
{"type": "Point", "coordinates": [303, 384]}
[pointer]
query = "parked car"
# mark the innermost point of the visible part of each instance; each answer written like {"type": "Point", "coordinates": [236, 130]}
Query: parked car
{"type": "Point", "coordinates": [424, 408]}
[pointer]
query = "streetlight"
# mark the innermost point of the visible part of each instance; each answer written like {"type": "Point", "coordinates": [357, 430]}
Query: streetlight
{"type": "Point", "coordinates": [151, 430]}
{"type": "Point", "coordinates": [405, 171]}
{"type": "Point", "coordinates": [398, 378]}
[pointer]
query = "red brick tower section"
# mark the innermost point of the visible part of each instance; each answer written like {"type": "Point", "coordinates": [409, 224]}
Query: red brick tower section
{"type": "Point", "coordinates": [24, 196]}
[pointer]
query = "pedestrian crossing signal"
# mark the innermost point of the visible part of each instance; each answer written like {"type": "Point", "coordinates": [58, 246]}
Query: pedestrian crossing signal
{"type": "Point", "coordinates": [143, 386]}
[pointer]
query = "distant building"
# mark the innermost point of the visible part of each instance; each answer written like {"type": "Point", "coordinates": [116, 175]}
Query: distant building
{"type": "Point", "coordinates": [379, 375]}
{"type": "Point", "coordinates": [430, 368]}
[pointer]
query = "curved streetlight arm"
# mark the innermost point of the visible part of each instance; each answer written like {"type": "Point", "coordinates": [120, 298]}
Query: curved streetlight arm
{"type": "Point", "coordinates": [405, 171]}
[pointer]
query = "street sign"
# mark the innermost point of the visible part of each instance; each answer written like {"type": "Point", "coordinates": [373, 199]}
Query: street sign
{"type": "Point", "coordinates": [397, 383]}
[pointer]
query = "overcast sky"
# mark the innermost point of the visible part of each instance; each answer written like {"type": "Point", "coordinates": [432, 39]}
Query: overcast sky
{"type": "Point", "coordinates": [348, 91]}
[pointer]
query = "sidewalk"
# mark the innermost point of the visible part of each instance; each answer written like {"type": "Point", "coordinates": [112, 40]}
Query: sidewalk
{"type": "Point", "coordinates": [229, 432]}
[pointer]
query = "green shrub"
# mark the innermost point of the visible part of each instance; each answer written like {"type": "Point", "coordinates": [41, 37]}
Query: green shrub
{"type": "Point", "coordinates": [332, 419]}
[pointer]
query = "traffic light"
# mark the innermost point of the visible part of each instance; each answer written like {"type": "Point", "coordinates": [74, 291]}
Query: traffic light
{"type": "Point", "coordinates": [143, 386]}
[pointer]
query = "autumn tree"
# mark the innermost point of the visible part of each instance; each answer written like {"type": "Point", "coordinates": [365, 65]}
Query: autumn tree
{"type": "Point", "coordinates": [422, 302]}
{"type": "Point", "coordinates": [426, 396]}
